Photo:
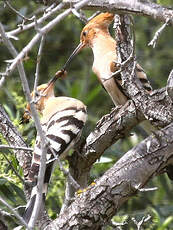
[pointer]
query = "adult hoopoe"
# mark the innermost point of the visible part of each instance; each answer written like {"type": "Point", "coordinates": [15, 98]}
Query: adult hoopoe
{"type": "Point", "coordinates": [96, 35]}
{"type": "Point", "coordinates": [62, 120]}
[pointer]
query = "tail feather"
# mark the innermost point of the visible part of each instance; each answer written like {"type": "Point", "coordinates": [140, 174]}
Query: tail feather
{"type": "Point", "coordinates": [30, 206]}
{"type": "Point", "coordinates": [29, 209]}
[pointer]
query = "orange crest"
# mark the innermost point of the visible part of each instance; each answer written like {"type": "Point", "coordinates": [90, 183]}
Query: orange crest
{"type": "Point", "coordinates": [100, 22]}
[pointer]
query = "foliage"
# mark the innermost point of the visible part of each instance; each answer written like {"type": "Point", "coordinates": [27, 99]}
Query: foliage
{"type": "Point", "coordinates": [81, 83]}
{"type": "Point", "coordinates": [165, 2]}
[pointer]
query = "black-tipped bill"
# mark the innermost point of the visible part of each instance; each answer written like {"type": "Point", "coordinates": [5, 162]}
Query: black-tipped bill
{"type": "Point", "coordinates": [58, 74]}
{"type": "Point", "coordinates": [75, 52]}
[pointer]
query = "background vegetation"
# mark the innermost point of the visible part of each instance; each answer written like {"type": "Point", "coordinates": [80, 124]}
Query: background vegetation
{"type": "Point", "coordinates": [81, 83]}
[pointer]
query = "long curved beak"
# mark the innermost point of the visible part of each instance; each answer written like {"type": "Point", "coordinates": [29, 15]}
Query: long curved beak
{"type": "Point", "coordinates": [75, 52]}
{"type": "Point", "coordinates": [59, 74]}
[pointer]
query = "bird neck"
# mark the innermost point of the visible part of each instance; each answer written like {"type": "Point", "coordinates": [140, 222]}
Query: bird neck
{"type": "Point", "coordinates": [104, 50]}
{"type": "Point", "coordinates": [102, 44]}
{"type": "Point", "coordinates": [44, 101]}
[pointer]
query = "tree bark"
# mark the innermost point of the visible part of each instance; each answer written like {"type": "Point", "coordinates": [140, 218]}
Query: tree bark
{"type": "Point", "coordinates": [142, 8]}
{"type": "Point", "coordinates": [100, 201]}
{"type": "Point", "coordinates": [95, 207]}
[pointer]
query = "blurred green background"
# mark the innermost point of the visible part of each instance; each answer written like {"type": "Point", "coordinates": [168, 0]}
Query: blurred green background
{"type": "Point", "coordinates": [81, 83]}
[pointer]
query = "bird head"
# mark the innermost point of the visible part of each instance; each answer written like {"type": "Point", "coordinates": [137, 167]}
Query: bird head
{"type": "Point", "coordinates": [100, 23]}
{"type": "Point", "coordinates": [42, 94]}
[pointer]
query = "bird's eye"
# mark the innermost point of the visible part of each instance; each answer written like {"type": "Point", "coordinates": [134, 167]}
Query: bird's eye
{"type": "Point", "coordinates": [84, 33]}
{"type": "Point", "coordinates": [37, 94]}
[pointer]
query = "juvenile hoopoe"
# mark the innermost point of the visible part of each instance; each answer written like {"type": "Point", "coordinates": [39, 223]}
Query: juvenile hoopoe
{"type": "Point", "coordinates": [96, 35]}
{"type": "Point", "coordinates": [62, 120]}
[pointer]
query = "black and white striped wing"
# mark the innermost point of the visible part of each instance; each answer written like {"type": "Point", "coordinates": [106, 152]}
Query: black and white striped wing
{"type": "Point", "coordinates": [63, 129]}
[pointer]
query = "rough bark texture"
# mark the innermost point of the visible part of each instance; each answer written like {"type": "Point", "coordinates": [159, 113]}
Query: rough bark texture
{"type": "Point", "coordinates": [155, 107]}
{"type": "Point", "coordinates": [145, 8]}
{"type": "Point", "coordinates": [99, 203]}
{"type": "Point", "coordinates": [94, 207]}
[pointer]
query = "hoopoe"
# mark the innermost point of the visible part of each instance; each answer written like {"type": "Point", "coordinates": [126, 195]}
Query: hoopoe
{"type": "Point", "coordinates": [62, 120]}
{"type": "Point", "coordinates": [96, 36]}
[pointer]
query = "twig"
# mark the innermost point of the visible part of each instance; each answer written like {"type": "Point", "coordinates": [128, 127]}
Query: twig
{"type": "Point", "coordinates": [94, 15]}
{"type": "Point", "coordinates": [158, 33]}
{"type": "Point", "coordinates": [4, 213]}
{"type": "Point", "coordinates": [17, 174]}
{"type": "Point", "coordinates": [140, 223]}
{"type": "Point", "coordinates": [38, 63]}
{"type": "Point", "coordinates": [14, 212]}
{"type": "Point", "coordinates": [37, 28]}
{"type": "Point", "coordinates": [39, 21]}
{"type": "Point", "coordinates": [81, 16]}
{"type": "Point", "coordinates": [34, 114]}
{"type": "Point", "coordinates": [14, 147]}
{"type": "Point", "coordinates": [122, 66]}
{"type": "Point", "coordinates": [17, 12]}
{"type": "Point", "coordinates": [169, 86]}
{"type": "Point", "coordinates": [116, 224]}
{"type": "Point", "coordinates": [40, 181]}
{"type": "Point", "coordinates": [147, 189]}
{"type": "Point", "coordinates": [142, 8]}
{"type": "Point", "coordinates": [65, 172]}
{"type": "Point", "coordinates": [18, 207]}
{"type": "Point", "coordinates": [44, 30]}
{"type": "Point", "coordinates": [67, 198]}
{"type": "Point", "coordinates": [2, 81]}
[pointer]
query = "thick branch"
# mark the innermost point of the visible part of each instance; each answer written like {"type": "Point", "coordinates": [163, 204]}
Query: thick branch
{"type": "Point", "coordinates": [158, 110]}
{"type": "Point", "coordinates": [144, 8]}
{"type": "Point", "coordinates": [94, 208]}
{"type": "Point", "coordinates": [109, 129]}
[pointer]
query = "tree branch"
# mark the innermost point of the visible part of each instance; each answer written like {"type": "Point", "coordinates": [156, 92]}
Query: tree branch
{"type": "Point", "coordinates": [37, 124]}
{"type": "Point", "coordinates": [48, 13]}
{"type": "Point", "coordinates": [158, 110]}
{"type": "Point", "coordinates": [157, 34]}
{"type": "Point", "coordinates": [94, 208]}
{"type": "Point", "coordinates": [17, 12]}
{"type": "Point", "coordinates": [169, 87]}
{"type": "Point", "coordinates": [42, 31]}
{"type": "Point", "coordinates": [133, 171]}
{"type": "Point", "coordinates": [143, 8]}
{"type": "Point", "coordinates": [13, 211]}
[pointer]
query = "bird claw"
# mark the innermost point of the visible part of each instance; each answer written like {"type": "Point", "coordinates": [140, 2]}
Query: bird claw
{"type": "Point", "coordinates": [85, 189]}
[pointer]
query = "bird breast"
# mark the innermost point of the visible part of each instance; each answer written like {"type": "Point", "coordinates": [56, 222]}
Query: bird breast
{"type": "Point", "coordinates": [102, 65]}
